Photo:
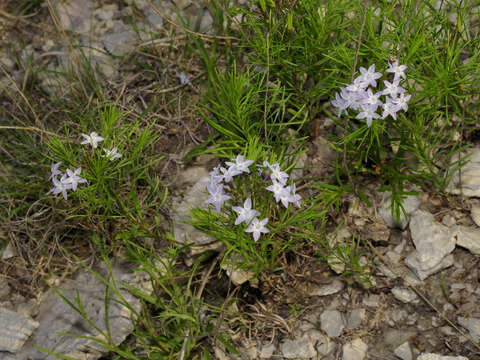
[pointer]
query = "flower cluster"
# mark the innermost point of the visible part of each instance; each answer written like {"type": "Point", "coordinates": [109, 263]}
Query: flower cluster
{"type": "Point", "coordinates": [360, 97]}
{"type": "Point", "coordinates": [221, 177]}
{"type": "Point", "coordinates": [62, 182]}
{"type": "Point", "coordinates": [67, 181]}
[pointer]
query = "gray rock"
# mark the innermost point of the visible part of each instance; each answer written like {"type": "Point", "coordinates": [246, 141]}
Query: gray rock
{"type": "Point", "coordinates": [267, 351]}
{"type": "Point", "coordinates": [472, 325]}
{"type": "Point", "coordinates": [432, 356]}
{"type": "Point", "coordinates": [75, 15]}
{"type": "Point", "coordinates": [9, 251]}
{"type": "Point", "coordinates": [334, 287]}
{"type": "Point", "coordinates": [332, 322]}
{"type": "Point", "coordinates": [56, 316]}
{"type": "Point", "coordinates": [468, 237]}
{"type": "Point", "coordinates": [433, 242]}
{"type": "Point", "coordinates": [298, 349]}
{"type": "Point", "coordinates": [412, 262]}
{"type": "Point", "coordinates": [468, 182]}
{"type": "Point", "coordinates": [475, 214]}
{"type": "Point", "coordinates": [15, 330]}
{"type": "Point", "coordinates": [356, 318]}
{"type": "Point", "coordinates": [410, 204]}
{"type": "Point", "coordinates": [121, 41]}
{"type": "Point", "coordinates": [4, 288]}
{"type": "Point", "coordinates": [355, 350]}
{"type": "Point", "coordinates": [404, 351]}
{"type": "Point", "coordinates": [405, 295]}
{"type": "Point", "coordinates": [372, 300]}
{"type": "Point", "coordinates": [154, 18]}
{"type": "Point", "coordinates": [325, 346]}
{"type": "Point", "coordinates": [185, 233]}
{"type": "Point", "coordinates": [449, 220]}
{"type": "Point", "coordinates": [236, 274]}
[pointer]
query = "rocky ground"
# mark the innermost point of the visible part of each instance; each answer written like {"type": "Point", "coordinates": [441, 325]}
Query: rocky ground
{"type": "Point", "coordinates": [422, 297]}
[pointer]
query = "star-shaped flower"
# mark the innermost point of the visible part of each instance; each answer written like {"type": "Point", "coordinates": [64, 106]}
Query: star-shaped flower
{"type": "Point", "coordinates": [240, 164]}
{"type": "Point", "coordinates": [257, 227]}
{"type": "Point", "coordinates": [73, 179]}
{"type": "Point", "coordinates": [402, 100]}
{"type": "Point", "coordinates": [276, 174]}
{"type": "Point", "coordinates": [112, 154]}
{"type": "Point", "coordinates": [61, 186]}
{"type": "Point", "coordinates": [217, 196]}
{"type": "Point", "coordinates": [245, 213]}
{"type": "Point", "coordinates": [369, 76]}
{"type": "Point", "coordinates": [368, 112]}
{"type": "Point", "coordinates": [54, 170]}
{"type": "Point", "coordinates": [389, 108]}
{"type": "Point", "coordinates": [392, 88]}
{"type": "Point", "coordinates": [92, 139]}
{"type": "Point", "coordinates": [397, 70]}
{"type": "Point", "coordinates": [372, 99]}
{"type": "Point", "coordinates": [277, 189]}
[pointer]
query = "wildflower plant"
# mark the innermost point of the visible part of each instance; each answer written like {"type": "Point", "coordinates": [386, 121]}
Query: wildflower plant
{"type": "Point", "coordinates": [107, 183]}
{"type": "Point", "coordinates": [253, 207]}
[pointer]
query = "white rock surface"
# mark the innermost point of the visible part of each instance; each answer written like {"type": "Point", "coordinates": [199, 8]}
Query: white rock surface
{"type": "Point", "coordinates": [236, 274]}
{"type": "Point", "coordinates": [467, 180]}
{"type": "Point", "coordinates": [472, 325]}
{"type": "Point", "coordinates": [356, 318]}
{"type": "Point", "coordinates": [332, 322]}
{"type": "Point", "coordinates": [15, 329]}
{"type": "Point", "coordinates": [186, 233]}
{"type": "Point", "coordinates": [410, 204]}
{"type": "Point", "coordinates": [475, 214]}
{"type": "Point", "coordinates": [267, 351]}
{"type": "Point", "coordinates": [56, 316]}
{"type": "Point", "coordinates": [433, 242]}
{"type": "Point", "coordinates": [405, 295]}
{"type": "Point", "coordinates": [468, 237]}
{"type": "Point", "coordinates": [298, 349]}
{"type": "Point", "coordinates": [404, 351]}
{"type": "Point", "coordinates": [355, 350]}
{"type": "Point", "coordinates": [432, 356]}
{"type": "Point", "coordinates": [334, 287]}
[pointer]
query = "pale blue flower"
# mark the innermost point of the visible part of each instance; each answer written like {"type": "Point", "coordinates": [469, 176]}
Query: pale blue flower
{"type": "Point", "coordinates": [112, 154]}
{"type": "Point", "coordinates": [276, 174]}
{"type": "Point", "coordinates": [73, 179]}
{"type": "Point", "coordinates": [397, 70]}
{"type": "Point", "coordinates": [368, 113]}
{"type": "Point", "coordinates": [217, 196]}
{"type": "Point", "coordinates": [54, 170]}
{"type": "Point", "coordinates": [389, 108]}
{"type": "Point", "coordinates": [61, 186]}
{"type": "Point", "coordinates": [369, 76]}
{"type": "Point", "coordinates": [392, 88]}
{"type": "Point", "coordinates": [402, 100]}
{"type": "Point", "coordinates": [371, 99]}
{"type": "Point", "coordinates": [92, 139]}
{"type": "Point", "coordinates": [245, 213]}
{"type": "Point", "coordinates": [257, 227]}
{"type": "Point", "coordinates": [240, 164]}
{"type": "Point", "coordinates": [277, 189]}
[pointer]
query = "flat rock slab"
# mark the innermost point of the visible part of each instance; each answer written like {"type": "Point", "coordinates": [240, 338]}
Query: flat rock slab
{"type": "Point", "coordinates": [433, 244]}
{"type": "Point", "coordinates": [56, 316]}
{"type": "Point", "coordinates": [431, 356]}
{"type": "Point", "coordinates": [15, 329]}
{"type": "Point", "coordinates": [467, 180]}
{"type": "Point", "coordinates": [468, 238]}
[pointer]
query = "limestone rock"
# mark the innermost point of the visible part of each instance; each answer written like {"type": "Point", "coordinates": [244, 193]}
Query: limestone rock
{"type": "Point", "coordinates": [433, 242]}
{"type": "Point", "coordinates": [332, 322]}
{"type": "Point", "coordinates": [356, 318]}
{"type": "Point", "coordinates": [410, 204]}
{"type": "Point", "coordinates": [56, 316]}
{"type": "Point", "coordinates": [467, 180]}
{"type": "Point", "coordinates": [15, 330]}
{"type": "Point", "coordinates": [355, 350]}
{"type": "Point", "coordinates": [468, 237]}
{"type": "Point", "coordinates": [334, 287]}
{"type": "Point", "coordinates": [472, 325]}
{"type": "Point", "coordinates": [185, 233]}
{"type": "Point", "coordinates": [432, 356]}
{"type": "Point", "coordinates": [404, 351]}
{"type": "Point", "coordinates": [405, 295]}
{"type": "Point", "coordinates": [298, 349]}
